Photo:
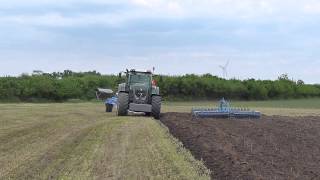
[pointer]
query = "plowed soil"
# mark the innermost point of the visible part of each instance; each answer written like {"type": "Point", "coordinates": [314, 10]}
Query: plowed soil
{"type": "Point", "coordinates": [273, 147]}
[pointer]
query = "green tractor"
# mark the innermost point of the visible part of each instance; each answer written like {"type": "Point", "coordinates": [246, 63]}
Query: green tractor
{"type": "Point", "coordinates": [139, 94]}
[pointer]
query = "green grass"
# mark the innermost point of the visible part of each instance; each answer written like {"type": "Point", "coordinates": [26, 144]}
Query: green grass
{"type": "Point", "coordinates": [81, 141]}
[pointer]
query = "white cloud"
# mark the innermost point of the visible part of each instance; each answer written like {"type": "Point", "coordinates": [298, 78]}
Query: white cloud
{"type": "Point", "coordinates": [243, 9]}
{"type": "Point", "coordinates": [144, 3]}
{"type": "Point", "coordinates": [161, 7]}
{"type": "Point", "coordinates": [312, 8]}
{"type": "Point", "coordinates": [36, 3]}
{"type": "Point", "coordinates": [59, 20]}
{"type": "Point", "coordinates": [255, 10]}
{"type": "Point", "coordinates": [214, 8]}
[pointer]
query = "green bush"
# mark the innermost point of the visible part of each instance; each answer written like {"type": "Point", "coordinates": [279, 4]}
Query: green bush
{"type": "Point", "coordinates": [63, 86]}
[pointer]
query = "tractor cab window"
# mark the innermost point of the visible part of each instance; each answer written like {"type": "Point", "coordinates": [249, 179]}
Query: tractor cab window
{"type": "Point", "coordinates": [140, 78]}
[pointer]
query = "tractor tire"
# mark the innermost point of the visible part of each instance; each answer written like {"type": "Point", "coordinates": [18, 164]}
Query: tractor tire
{"type": "Point", "coordinates": [123, 104]}
{"type": "Point", "coordinates": [156, 106]}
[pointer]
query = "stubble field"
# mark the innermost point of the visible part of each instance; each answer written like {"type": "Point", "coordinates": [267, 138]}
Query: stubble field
{"type": "Point", "coordinates": [81, 141]}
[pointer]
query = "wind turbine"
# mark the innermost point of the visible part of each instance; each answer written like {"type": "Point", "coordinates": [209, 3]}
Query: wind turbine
{"type": "Point", "coordinates": [224, 70]}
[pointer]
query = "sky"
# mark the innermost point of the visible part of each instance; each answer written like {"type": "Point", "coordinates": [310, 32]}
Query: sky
{"type": "Point", "coordinates": [261, 39]}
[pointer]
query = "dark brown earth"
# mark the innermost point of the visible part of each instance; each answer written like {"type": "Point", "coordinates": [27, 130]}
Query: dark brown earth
{"type": "Point", "coordinates": [272, 147]}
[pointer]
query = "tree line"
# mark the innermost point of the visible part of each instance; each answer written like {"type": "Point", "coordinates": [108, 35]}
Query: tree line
{"type": "Point", "coordinates": [62, 86]}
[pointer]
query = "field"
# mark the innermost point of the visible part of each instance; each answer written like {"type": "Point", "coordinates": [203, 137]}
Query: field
{"type": "Point", "coordinates": [273, 147]}
{"type": "Point", "coordinates": [284, 144]}
{"type": "Point", "coordinates": [81, 141]}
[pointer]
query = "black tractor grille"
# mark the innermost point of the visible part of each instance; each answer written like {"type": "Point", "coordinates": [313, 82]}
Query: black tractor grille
{"type": "Point", "coordinates": [140, 95]}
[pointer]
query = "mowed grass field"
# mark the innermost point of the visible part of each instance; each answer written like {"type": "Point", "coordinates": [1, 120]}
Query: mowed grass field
{"type": "Point", "coordinates": [81, 141]}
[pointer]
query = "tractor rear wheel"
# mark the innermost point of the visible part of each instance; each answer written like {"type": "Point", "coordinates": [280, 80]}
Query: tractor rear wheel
{"type": "Point", "coordinates": [123, 104]}
{"type": "Point", "coordinates": [156, 106]}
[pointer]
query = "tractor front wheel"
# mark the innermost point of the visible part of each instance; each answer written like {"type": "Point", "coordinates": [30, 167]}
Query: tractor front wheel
{"type": "Point", "coordinates": [123, 104]}
{"type": "Point", "coordinates": [156, 106]}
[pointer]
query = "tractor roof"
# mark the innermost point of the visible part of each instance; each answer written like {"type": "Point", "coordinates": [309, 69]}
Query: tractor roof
{"type": "Point", "coordinates": [140, 72]}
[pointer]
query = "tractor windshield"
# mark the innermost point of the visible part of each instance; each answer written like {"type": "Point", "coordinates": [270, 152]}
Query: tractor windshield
{"type": "Point", "coordinates": [140, 78]}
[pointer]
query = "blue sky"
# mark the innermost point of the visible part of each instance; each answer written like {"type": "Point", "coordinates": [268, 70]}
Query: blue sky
{"type": "Point", "coordinates": [261, 38]}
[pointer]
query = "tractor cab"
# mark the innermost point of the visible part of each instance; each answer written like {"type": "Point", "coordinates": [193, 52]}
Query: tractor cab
{"type": "Point", "coordinates": [135, 77]}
